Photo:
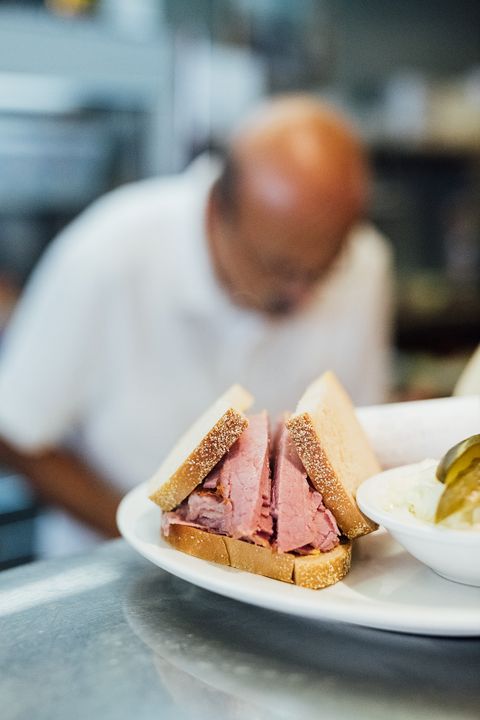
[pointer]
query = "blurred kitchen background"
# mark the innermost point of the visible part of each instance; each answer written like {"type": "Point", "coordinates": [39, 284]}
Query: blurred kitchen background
{"type": "Point", "coordinates": [94, 94]}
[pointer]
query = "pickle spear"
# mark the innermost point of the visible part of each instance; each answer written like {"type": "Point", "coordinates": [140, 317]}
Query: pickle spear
{"type": "Point", "coordinates": [462, 493]}
{"type": "Point", "coordinates": [458, 459]}
{"type": "Point", "coordinates": [459, 471]}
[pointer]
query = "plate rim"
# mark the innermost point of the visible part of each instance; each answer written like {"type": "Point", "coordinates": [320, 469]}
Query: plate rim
{"type": "Point", "coordinates": [375, 614]}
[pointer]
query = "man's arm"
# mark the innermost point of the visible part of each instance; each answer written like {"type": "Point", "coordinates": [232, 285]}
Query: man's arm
{"type": "Point", "coordinates": [61, 478]}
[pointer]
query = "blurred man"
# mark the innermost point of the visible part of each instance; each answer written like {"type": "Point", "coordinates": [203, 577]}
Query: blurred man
{"type": "Point", "coordinates": [165, 292]}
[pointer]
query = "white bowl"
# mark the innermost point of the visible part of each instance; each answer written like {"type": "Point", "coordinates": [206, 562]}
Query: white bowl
{"type": "Point", "coordinates": [453, 554]}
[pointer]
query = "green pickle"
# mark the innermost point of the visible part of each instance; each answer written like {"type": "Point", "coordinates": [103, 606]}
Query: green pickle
{"type": "Point", "coordinates": [459, 471]}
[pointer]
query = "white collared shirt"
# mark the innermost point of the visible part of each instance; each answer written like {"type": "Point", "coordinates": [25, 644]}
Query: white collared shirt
{"type": "Point", "coordinates": [124, 335]}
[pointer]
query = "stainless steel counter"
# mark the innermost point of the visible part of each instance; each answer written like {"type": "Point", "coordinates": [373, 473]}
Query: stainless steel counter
{"type": "Point", "coordinates": [110, 636]}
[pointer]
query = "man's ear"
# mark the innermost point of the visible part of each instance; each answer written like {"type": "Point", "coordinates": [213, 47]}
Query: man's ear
{"type": "Point", "coordinates": [212, 209]}
{"type": "Point", "coordinates": [215, 212]}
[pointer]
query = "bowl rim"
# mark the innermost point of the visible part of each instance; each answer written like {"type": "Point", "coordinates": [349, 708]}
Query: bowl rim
{"type": "Point", "coordinates": [408, 526]}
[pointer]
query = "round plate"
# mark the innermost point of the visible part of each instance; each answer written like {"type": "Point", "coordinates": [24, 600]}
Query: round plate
{"type": "Point", "coordinates": [386, 587]}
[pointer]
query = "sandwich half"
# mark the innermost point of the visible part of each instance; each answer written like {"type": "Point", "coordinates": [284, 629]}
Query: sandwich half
{"type": "Point", "coordinates": [253, 506]}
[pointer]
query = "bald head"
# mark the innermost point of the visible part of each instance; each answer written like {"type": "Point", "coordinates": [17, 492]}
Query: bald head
{"type": "Point", "coordinates": [294, 183]}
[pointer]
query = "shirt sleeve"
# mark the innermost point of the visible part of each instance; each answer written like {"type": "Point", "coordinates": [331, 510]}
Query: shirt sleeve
{"type": "Point", "coordinates": [47, 350]}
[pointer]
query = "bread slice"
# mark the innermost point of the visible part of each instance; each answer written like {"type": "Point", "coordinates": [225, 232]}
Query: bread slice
{"type": "Point", "coordinates": [334, 451]}
{"type": "Point", "coordinates": [324, 569]}
{"type": "Point", "coordinates": [200, 449]}
{"type": "Point", "coordinates": [260, 560]}
{"type": "Point", "coordinates": [199, 543]}
{"type": "Point", "coordinates": [311, 571]}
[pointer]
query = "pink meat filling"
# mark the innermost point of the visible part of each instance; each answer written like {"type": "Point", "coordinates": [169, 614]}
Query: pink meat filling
{"type": "Point", "coordinates": [202, 510]}
{"type": "Point", "coordinates": [303, 522]}
{"type": "Point", "coordinates": [235, 498]}
{"type": "Point", "coordinates": [244, 478]}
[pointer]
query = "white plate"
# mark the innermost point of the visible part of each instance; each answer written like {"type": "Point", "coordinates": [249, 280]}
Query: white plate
{"type": "Point", "coordinates": [386, 587]}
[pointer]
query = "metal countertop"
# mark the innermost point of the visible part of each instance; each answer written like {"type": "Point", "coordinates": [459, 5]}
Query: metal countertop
{"type": "Point", "coordinates": [108, 635]}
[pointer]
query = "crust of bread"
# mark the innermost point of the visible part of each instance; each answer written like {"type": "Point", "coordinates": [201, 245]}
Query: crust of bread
{"type": "Point", "coordinates": [334, 451]}
{"type": "Point", "coordinates": [199, 543]}
{"type": "Point", "coordinates": [200, 449]}
{"type": "Point", "coordinates": [311, 571]}
{"type": "Point", "coordinates": [324, 569]}
{"type": "Point", "coordinates": [260, 560]}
